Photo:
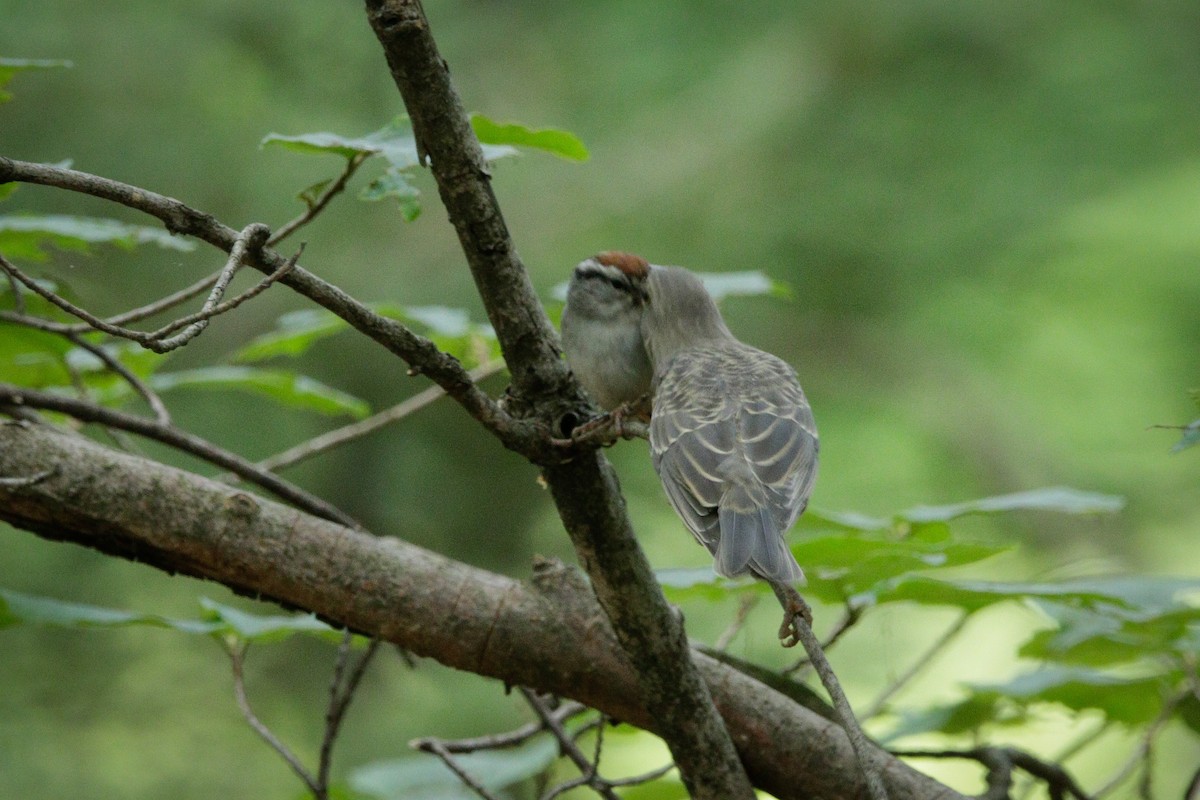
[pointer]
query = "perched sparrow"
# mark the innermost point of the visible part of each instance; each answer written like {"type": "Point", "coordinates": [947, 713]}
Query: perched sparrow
{"type": "Point", "coordinates": [600, 328]}
{"type": "Point", "coordinates": [732, 436]}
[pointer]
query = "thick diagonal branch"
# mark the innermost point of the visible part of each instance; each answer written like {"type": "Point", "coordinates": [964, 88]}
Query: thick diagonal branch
{"type": "Point", "coordinates": [585, 489]}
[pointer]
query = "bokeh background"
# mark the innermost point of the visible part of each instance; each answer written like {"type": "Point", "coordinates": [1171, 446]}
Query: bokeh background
{"type": "Point", "coordinates": [987, 214]}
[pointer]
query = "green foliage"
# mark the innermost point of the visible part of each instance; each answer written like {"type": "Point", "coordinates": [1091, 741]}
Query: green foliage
{"type": "Point", "coordinates": [552, 140]}
{"type": "Point", "coordinates": [216, 620]}
{"type": "Point", "coordinates": [451, 329]}
{"type": "Point", "coordinates": [26, 236]}
{"type": "Point", "coordinates": [286, 388]}
{"type": "Point", "coordinates": [426, 777]}
{"type": "Point", "coordinates": [9, 67]}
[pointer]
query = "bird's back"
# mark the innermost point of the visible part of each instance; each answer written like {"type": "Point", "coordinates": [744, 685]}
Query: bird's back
{"type": "Point", "coordinates": [733, 437]}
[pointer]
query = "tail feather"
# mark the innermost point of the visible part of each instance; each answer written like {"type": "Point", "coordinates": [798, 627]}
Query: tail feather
{"type": "Point", "coordinates": [751, 542]}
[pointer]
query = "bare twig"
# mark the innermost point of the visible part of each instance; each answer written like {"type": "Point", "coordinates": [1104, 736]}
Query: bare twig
{"type": "Point", "coordinates": [435, 746]}
{"type": "Point", "coordinates": [18, 295]}
{"type": "Point", "coordinates": [746, 604]}
{"type": "Point", "coordinates": [858, 740]}
{"type": "Point", "coordinates": [193, 324]}
{"type": "Point", "coordinates": [1000, 762]}
{"type": "Point", "coordinates": [498, 741]}
{"type": "Point", "coordinates": [1141, 753]}
{"type": "Point", "coordinates": [177, 438]}
{"type": "Point", "coordinates": [237, 654]}
{"type": "Point", "coordinates": [356, 430]}
{"type": "Point", "coordinates": [331, 191]}
{"type": "Point", "coordinates": [849, 619]}
{"type": "Point", "coordinates": [527, 437]}
{"type": "Point", "coordinates": [917, 666]}
{"type": "Point", "coordinates": [137, 384]}
{"type": "Point", "coordinates": [567, 745]}
{"type": "Point", "coordinates": [341, 691]}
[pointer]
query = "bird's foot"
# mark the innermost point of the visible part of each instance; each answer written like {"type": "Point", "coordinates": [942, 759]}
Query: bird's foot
{"type": "Point", "coordinates": [794, 606]}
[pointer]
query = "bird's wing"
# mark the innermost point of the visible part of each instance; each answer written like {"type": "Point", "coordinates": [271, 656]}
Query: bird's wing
{"type": "Point", "coordinates": [778, 437]}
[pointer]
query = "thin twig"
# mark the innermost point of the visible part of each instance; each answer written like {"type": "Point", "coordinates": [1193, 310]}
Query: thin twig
{"type": "Point", "coordinates": [435, 746]}
{"type": "Point", "coordinates": [1140, 753]}
{"type": "Point", "coordinates": [157, 340]}
{"type": "Point", "coordinates": [746, 604]}
{"type": "Point", "coordinates": [252, 238]}
{"type": "Point", "coordinates": [498, 741]}
{"type": "Point", "coordinates": [356, 430]}
{"type": "Point", "coordinates": [1000, 762]}
{"type": "Point", "coordinates": [341, 691]}
{"type": "Point", "coordinates": [917, 666]}
{"type": "Point", "coordinates": [236, 657]}
{"type": "Point", "coordinates": [858, 740]}
{"type": "Point", "coordinates": [566, 744]}
{"type": "Point", "coordinates": [849, 619]}
{"type": "Point", "coordinates": [179, 439]}
{"type": "Point", "coordinates": [18, 295]}
{"type": "Point", "coordinates": [137, 384]}
{"type": "Point", "coordinates": [334, 189]}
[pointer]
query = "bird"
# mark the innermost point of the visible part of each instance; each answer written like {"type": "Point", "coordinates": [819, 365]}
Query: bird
{"type": "Point", "coordinates": [601, 330]}
{"type": "Point", "coordinates": [732, 435]}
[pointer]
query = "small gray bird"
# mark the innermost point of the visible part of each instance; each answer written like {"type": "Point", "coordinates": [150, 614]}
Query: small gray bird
{"type": "Point", "coordinates": [732, 435]}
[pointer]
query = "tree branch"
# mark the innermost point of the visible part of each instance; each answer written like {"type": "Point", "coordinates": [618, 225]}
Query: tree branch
{"type": "Point", "coordinates": [547, 634]}
{"type": "Point", "coordinates": [525, 437]}
{"type": "Point", "coordinates": [584, 489]}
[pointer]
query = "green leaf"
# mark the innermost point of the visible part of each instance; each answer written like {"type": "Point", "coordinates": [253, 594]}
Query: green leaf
{"type": "Point", "coordinates": [964, 716]}
{"type": "Point", "coordinates": [295, 333]}
{"type": "Point", "coordinates": [33, 358]}
{"type": "Point", "coordinates": [309, 195]}
{"type": "Point", "coordinates": [841, 567]}
{"type": "Point", "coordinates": [560, 143]}
{"type": "Point", "coordinates": [1105, 633]}
{"type": "Point", "coordinates": [690, 583]}
{"type": "Point", "coordinates": [7, 189]}
{"type": "Point", "coordinates": [263, 627]}
{"type": "Point", "coordinates": [426, 777]}
{"type": "Point", "coordinates": [1057, 498]}
{"type": "Point", "coordinates": [9, 67]}
{"type": "Point", "coordinates": [394, 183]}
{"type": "Point", "coordinates": [18, 609]}
{"type": "Point", "coordinates": [394, 141]}
{"type": "Point", "coordinates": [28, 236]}
{"type": "Point", "coordinates": [1129, 700]}
{"type": "Point", "coordinates": [287, 388]}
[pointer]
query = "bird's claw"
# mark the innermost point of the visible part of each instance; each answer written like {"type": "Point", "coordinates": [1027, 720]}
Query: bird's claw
{"type": "Point", "coordinates": [795, 611]}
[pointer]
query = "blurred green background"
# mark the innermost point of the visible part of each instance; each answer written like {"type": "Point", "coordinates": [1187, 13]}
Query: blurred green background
{"type": "Point", "coordinates": [987, 213]}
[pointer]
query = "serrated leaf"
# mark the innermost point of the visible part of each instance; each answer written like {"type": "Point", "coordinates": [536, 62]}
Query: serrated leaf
{"type": "Point", "coordinates": [426, 777]}
{"type": "Point", "coordinates": [9, 67]}
{"type": "Point", "coordinates": [1061, 499]}
{"type": "Point", "coordinates": [286, 388]}
{"type": "Point", "coordinates": [1101, 634]}
{"type": "Point", "coordinates": [552, 140]}
{"type": "Point", "coordinates": [28, 236]}
{"type": "Point", "coordinates": [395, 184]}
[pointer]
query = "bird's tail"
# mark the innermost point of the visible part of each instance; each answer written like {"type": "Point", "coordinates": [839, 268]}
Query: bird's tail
{"type": "Point", "coordinates": [752, 542]}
